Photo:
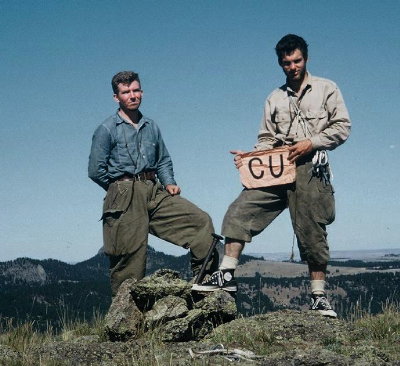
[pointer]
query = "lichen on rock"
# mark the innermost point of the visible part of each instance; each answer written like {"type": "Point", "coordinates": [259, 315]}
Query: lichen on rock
{"type": "Point", "coordinates": [163, 304]}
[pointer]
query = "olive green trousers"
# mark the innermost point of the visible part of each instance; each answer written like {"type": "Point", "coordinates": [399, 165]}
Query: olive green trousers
{"type": "Point", "coordinates": [132, 210]}
{"type": "Point", "coordinates": [311, 205]}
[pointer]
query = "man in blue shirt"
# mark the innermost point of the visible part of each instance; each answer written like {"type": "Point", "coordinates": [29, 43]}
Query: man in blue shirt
{"type": "Point", "coordinates": [130, 161]}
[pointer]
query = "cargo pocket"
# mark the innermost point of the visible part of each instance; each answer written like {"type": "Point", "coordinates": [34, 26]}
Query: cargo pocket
{"type": "Point", "coordinates": [118, 198]}
{"type": "Point", "coordinates": [325, 213]}
{"type": "Point", "coordinates": [116, 203]}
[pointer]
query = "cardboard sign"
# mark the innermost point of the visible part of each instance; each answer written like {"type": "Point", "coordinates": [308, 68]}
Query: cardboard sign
{"type": "Point", "coordinates": [265, 168]}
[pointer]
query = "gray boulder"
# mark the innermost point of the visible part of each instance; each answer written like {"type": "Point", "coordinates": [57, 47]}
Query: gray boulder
{"type": "Point", "coordinates": [160, 284]}
{"type": "Point", "coordinates": [124, 320]}
{"type": "Point", "coordinates": [215, 309]}
{"type": "Point", "coordinates": [164, 305]}
{"type": "Point", "coordinates": [164, 310]}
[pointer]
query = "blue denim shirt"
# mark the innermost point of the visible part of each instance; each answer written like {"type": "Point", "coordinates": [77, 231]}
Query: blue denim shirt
{"type": "Point", "coordinates": [118, 148]}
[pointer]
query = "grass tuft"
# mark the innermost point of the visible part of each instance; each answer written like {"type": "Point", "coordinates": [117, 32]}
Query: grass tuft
{"type": "Point", "coordinates": [384, 326]}
{"type": "Point", "coordinates": [22, 337]}
{"type": "Point", "coordinates": [73, 326]}
{"type": "Point", "coordinates": [250, 336]}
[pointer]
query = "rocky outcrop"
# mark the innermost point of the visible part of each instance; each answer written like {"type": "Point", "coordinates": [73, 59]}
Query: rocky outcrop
{"type": "Point", "coordinates": [24, 270]}
{"type": "Point", "coordinates": [163, 304]}
{"type": "Point", "coordinates": [275, 339]}
{"type": "Point", "coordinates": [124, 319]}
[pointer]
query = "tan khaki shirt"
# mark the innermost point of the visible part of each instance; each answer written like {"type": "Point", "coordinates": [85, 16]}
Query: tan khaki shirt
{"type": "Point", "coordinates": [322, 108]}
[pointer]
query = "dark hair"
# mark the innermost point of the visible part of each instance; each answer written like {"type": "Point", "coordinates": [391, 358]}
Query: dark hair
{"type": "Point", "coordinates": [288, 44]}
{"type": "Point", "coordinates": [123, 77]}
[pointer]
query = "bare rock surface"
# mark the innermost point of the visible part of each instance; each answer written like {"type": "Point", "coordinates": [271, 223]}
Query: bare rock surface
{"type": "Point", "coordinates": [26, 271]}
{"type": "Point", "coordinates": [124, 319]}
{"type": "Point", "coordinates": [283, 338]}
{"type": "Point", "coordinates": [166, 309]}
{"type": "Point", "coordinates": [163, 304]}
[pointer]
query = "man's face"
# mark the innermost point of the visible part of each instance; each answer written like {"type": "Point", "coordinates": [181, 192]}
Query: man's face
{"type": "Point", "coordinates": [129, 96]}
{"type": "Point", "coordinates": [294, 66]}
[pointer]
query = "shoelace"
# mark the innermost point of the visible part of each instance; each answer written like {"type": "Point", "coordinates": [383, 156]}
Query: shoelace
{"type": "Point", "coordinates": [215, 279]}
{"type": "Point", "coordinates": [323, 301]}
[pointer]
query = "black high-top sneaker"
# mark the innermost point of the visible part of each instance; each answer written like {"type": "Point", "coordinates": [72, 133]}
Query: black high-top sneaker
{"type": "Point", "coordinates": [220, 280]}
{"type": "Point", "coordinates": [321, 304]}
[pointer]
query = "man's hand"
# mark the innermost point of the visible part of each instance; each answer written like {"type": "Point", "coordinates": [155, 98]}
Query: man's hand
{"type": "Point", "coordinates": [299, 149]}
{"type": "Point", "coordinates": [237, 159]}
{"type": "Point", "coordinates": [173, 189]}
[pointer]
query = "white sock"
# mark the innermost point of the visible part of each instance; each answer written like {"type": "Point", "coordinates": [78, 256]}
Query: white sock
{"type": "Point", "coordinates": [318, 287]}
{"type": "Point", "coordinates": [229, 263]}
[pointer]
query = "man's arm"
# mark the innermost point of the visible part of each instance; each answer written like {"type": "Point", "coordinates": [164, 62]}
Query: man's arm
{"type": "Point", "coordinates": [335, 134]}
{"type": "Point", "coordinates": [165, 172]}
{"type": "Point", "coordinates": [99, 155]}
{"type": "Point", "coordinates": [339, 124]}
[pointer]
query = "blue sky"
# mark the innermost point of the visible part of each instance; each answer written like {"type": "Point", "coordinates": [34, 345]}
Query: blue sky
{"type": "Point", "coordinates": [206, 68]}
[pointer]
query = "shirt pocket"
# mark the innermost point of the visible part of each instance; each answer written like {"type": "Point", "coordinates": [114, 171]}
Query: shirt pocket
{"type": "Point", "coordinates": [118, 198]}
{"type": "Point", "coordinates": [128, 154]}
{"type": "Point", "coordinates": [317, 118]}
{"type": "Point", "coordinates": [282, 121]}
{"type": "Point", "coordinates": [149, 150]}
{"type": "Point", "coordinates": [282, 117]}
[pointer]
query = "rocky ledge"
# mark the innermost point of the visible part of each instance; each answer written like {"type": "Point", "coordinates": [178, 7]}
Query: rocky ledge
{"type": "Point", "coordinates": [164, 304]}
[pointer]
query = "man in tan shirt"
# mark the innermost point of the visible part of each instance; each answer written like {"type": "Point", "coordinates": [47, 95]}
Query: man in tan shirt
{"type": "Point", "coordinates": [308, 114]}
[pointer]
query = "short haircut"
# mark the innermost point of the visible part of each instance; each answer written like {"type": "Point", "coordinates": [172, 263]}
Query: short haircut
{"type": "Point", "coordinates": [123, 77]}
{"type": "Point", "coordinates": [288, 44]}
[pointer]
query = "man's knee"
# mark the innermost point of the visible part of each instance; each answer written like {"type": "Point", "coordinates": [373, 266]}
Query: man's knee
{"type": "Point", "coordinates": [204, 221]}
{"type": "Point", "coordinates": [122, 267]}
{"type": "Point", "coordinates": [316, 255]}
{"type": "Point", "coordinates": [201, 235]}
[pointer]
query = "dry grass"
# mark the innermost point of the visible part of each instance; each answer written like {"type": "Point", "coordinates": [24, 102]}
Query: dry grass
{"type": "Point", "coordinates": [380, 331]}
{"type": "Point", "coordinates": [383, 327]}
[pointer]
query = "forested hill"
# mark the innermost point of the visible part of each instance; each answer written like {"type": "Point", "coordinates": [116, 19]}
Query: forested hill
{"type": "Point", "coordinates": [49, 271]}
{"type": "Point", "coordinates": [51, 290]}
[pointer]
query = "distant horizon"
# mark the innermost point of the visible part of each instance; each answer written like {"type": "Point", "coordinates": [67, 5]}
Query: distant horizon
{"type": "Point", "coordinates": [346, 250]}
{"type": "Point", "coordinates": [355, 254]}
{"type": "Point", "coordinates": [274, 256]}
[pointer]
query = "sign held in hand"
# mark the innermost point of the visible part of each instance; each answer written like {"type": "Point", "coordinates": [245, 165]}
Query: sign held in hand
{"type": "Point", "coordinates": [265, 168]}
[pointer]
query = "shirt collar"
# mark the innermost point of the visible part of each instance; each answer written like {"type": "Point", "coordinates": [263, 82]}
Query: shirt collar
{"type": "Point", "coordinates": [308, 85]}
{"type": "Point", "coordinates": [119, 119]}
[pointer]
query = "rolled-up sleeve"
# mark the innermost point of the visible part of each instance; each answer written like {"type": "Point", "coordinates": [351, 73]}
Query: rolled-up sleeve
{"type": "Point", "coordinates": [99, 156]}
